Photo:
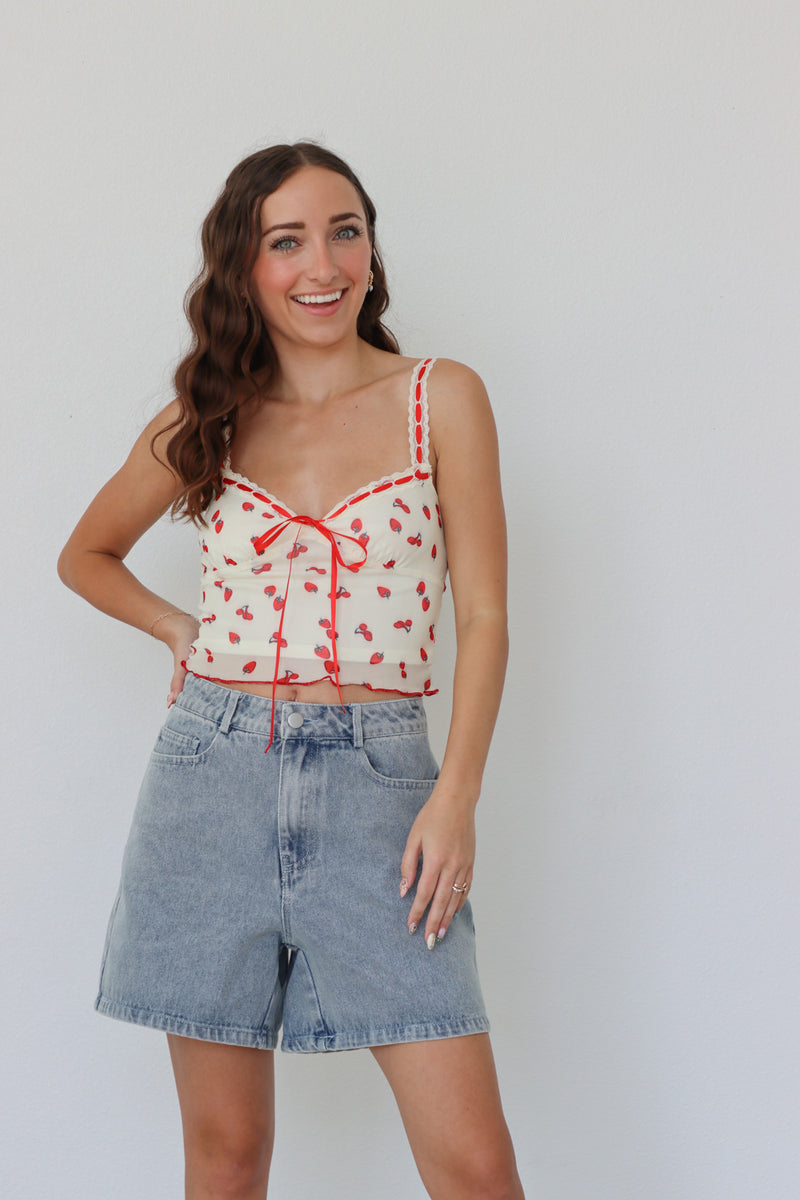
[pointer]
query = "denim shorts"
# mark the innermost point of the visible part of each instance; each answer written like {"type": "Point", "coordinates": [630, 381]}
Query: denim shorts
{"type": "Point", "coordinates": [261, 891]}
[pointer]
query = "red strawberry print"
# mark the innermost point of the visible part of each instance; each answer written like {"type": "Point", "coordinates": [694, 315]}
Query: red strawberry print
{"type": "Point", "coordinates": [433, 550]}
{"type": "Point", "coordinates": [247, 506]}
{"type": "Point", "coordinates": [204, 596]}
{"type": "Point", "coordinates": [227, 592]}
{"type": "Point", "coordinates": [363, 538]}
{"type": "Point", "coordinates": [319, 570]}
{"type": "Point", "coordinates": [403, 672]}
{"type": "Point", "coordinates": [209, 655]}
{"type": "Point", "coordinates": [384, 593]}
{"type": "Point", "coordinates": [426, 685]}
{"type": "Point", "coordinates": [326, 625]}
{"type": "Point", "coordinates": [231, 562]}
{"type": "Point", "coordinates": [376, 658]}
{"type": "Point", "coordinates": [270, 590]}
{"type": "Point", "coordinates": [215, 515]}
{"type": "Point", "coordinates": [422, 653]}
{"type": "Point", "coordinates": [260, 570]}
{"type": "Point", "coordinates": [310, 587]}
{"type": "Point", "coordinates": [427, 511]}
{"type": "Point", "coordinates": [277, 638]}
{"type": "Point", "coordinates": [248, 668]}
{"type": "Point", "coordinates": [421, 588]}
{"type": "Point", "coordinates": [430, 633]}
{"type": "Point", "coordinates": [415, 541]}
{"type": "Point", "coordinates": [364, 631]}
{"type": "Point", "coordinates": [218, 526]}
{"type": "Point", "coordinates": [330, 666]}
{"type": "Point", "coordinates": [244, 612]}
{"type": "Point", "coordinates": [218, 583]}
{"type": "Point", "coordinates": [390, 563]}
{"type": "Point", "coordinates": [234, 639]}
{"type": "Point", "coordinates": [398, 503]}
{"type": "Point", "coordinates": [356, 525]}
{"type": "Point", "coordinates": [278, 603]}
{"type": "Point", "coordinates": [439, 515]}
{"type": "Point", "coordinates": [204, 547]}
{"type": "Point", "coordinates": [395, 525]}
{"type": "Point", "coordinates": [425, 603]}
{"type": "Point", "coordinates": [406, 625]}
{"type": "Point", "coordinates": [322, 651]}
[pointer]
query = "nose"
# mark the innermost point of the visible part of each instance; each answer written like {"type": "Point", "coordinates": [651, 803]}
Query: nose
{"type": "Point", "coordinates": [322, 267]}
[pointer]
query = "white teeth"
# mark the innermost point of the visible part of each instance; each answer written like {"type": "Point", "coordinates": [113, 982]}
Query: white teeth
{"type": "Point", "coordinates": [328, 299]}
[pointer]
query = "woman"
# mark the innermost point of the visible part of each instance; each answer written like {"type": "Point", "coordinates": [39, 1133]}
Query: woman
{"type": "Point", "coordinates": [260, 890]}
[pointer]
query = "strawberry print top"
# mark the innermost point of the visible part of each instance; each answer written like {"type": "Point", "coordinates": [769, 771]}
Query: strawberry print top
{"type": "Point", "coordinates": [353, 597]}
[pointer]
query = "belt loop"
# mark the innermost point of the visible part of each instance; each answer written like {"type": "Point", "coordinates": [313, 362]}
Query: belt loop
{"type": "Point", "coordinates": [358, 736]}
{"type": "Point", "coordinates": [230, 709]}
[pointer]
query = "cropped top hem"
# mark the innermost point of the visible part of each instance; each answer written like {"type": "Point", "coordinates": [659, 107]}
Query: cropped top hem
{"type": "Point", "coordinates": [310, 683]}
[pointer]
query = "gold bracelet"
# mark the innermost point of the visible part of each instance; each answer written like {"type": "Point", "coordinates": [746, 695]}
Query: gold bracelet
{"type": "Point", "coordinates": [173, 612]}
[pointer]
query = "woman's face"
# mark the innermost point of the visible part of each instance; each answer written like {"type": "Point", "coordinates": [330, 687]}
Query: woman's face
{"type": "Point", "coordinates": [312, 269]}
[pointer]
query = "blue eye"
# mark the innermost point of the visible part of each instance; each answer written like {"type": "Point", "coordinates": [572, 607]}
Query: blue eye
{"type": "Point", "coordinates": [352, 230]}
{"type": "Point", "coordinates": [281, 243]}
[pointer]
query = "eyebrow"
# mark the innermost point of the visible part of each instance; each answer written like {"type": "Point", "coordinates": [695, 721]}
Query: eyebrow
{"type": "Point", "coordinates": [301, 224]}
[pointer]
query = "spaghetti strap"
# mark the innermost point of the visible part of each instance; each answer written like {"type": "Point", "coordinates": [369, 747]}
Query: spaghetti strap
{"type": "Point", "coordinates": [418, 424]}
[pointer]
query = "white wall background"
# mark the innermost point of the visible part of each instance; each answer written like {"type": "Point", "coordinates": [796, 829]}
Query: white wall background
{"type": "Point", "coordinates": [595, 205]}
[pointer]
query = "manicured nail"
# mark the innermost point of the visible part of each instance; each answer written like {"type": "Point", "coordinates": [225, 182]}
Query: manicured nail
{"type": "Point", "coordinates": [441, 934]}
{"type": "Point", "coordinates": [413, 927]}
{"type": "Point", "coordinates": [403, 887]}
{"type": "Point", "coordinates": [431, 942]}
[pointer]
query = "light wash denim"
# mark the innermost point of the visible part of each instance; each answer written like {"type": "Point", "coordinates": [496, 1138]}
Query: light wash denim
{"type": "Point", "coordinates": [262, 890]}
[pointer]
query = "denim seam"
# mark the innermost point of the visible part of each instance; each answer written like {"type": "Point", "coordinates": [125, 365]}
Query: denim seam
{"type": "Point", "coordinates": [386, 1035]}
{"type": "Point", "coordinates": [105, 1004]}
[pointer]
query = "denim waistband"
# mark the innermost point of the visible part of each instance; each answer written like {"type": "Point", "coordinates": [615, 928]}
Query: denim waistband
{"type": "Point", "coordinates": [232, 709]}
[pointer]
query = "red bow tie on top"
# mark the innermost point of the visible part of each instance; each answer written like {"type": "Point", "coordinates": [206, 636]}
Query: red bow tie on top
{"type": "Point", "coordinates": [261, 543]}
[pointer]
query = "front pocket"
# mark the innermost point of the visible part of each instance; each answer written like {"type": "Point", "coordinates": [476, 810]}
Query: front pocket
{"type": "Point", "coordinates": [173, 745]}
{"type": "Point", "coordinates": [399, 760]}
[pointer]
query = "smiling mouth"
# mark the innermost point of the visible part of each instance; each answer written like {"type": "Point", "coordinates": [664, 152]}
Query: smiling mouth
{"type": "Point", "coordinates": [324, 298]}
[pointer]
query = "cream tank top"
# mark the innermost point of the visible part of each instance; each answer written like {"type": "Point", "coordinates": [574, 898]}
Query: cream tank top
{"type": "Point", "coordinates": [353, 597]}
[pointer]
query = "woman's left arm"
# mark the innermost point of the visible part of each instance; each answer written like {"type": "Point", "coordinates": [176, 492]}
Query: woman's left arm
{"type": "Point", "coordinates": [464, 449]}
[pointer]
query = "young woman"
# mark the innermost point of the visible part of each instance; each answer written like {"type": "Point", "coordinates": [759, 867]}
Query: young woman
{"type": "Point", "coordinates": [293, 829]}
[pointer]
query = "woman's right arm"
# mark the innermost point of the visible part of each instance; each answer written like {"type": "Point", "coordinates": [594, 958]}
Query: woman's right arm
{"type": "Point", "coordinates": [91, 563]}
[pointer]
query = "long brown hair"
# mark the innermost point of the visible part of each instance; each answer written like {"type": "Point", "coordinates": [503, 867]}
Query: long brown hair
{"type": "Point", "coordinates": [230, 342]}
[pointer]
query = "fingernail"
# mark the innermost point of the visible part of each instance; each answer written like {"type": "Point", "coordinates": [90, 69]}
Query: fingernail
{"type": "Point", "coordinates": [431, 942]}
{"type": "Point", "coordinates": [441, 934]}
{"type": "Point", "coordinates": [413, 927]}
{"type": "Point", "coordinates": [403, 887]}
{"type": "Point", "coordinates": [170, 699]}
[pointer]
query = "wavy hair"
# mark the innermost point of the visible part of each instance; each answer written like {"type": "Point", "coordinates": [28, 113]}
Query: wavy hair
{"type": "Point", "coordinates": [230, 342]}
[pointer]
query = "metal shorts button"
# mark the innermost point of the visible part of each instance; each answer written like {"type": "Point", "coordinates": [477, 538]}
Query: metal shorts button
{"type": "Point", "coordinates": [295, 720]}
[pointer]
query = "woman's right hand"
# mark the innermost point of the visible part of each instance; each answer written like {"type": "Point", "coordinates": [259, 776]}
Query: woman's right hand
{"type": "Point", "coordinates": [178, 631]}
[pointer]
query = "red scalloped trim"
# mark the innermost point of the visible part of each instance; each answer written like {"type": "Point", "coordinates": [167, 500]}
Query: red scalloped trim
{"type": "Point", "coordinates": [380, 486]}
{"type": "Point", "coordinates": [308, 683]}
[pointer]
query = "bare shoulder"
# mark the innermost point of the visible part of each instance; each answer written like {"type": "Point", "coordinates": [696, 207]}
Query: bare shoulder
{"type": "Point", "coordinates": [458, 404]}
{"type": "Point", "coordinates": [157, 433]}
